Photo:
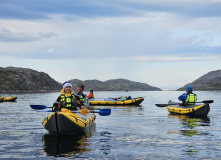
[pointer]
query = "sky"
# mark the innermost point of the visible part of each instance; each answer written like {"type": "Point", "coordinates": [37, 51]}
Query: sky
{"type": "Point", "coordinates": [164, 43]}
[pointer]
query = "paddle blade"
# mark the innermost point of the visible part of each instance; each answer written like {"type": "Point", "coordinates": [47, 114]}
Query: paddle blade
{"type": "Point", "coordinates": [104, 112]}
{"type": "Point", "coordinates": [208, 101]}
{"type": "Point", "coordinates": [161, 105]}
{"type": "Point", "coordinates": [38, 107]}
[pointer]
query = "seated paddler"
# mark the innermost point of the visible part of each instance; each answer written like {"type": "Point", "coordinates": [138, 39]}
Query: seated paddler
{"type": "Point", "coordinates": [79, 92]}
{"type": "Point", "coordinates": [189, 97]}
{"type": "Point", "coordinates": [67, 99]}
{"type": "Point", "coordinates": [91, 95]}
{"type": "Point", "coordinates": [123, 98]}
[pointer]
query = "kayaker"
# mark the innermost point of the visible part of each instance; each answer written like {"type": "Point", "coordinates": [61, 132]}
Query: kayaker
{"type": "Point", "coordinates": [123, 98]}
{"type": "Point", "coordinates": [91, 95]}
{"type": "Point", "coordinates": [189, 97]}
{"type": "Point", "coordinates": [79, 92]}
{"type": "Point", "coordinates": [68, 99]}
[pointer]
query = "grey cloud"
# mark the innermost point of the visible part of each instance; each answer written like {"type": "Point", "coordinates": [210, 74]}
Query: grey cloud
{"type": "Point", "coordinates": [9, 36]}
{"type": "Point", "coordinates": [41, 9]}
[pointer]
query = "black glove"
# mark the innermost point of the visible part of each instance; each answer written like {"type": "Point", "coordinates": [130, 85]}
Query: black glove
{"type": "Point", "coordinates": [56, 107]}
{"type": "Point", "coordinates": [55, 104]}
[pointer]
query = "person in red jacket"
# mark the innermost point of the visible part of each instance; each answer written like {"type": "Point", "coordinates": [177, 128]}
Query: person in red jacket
{"type": "Point", "coordinates": [91, 95]}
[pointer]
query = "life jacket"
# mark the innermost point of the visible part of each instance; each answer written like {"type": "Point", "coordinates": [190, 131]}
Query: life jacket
{"type": "Point", "coordinates": [81, 97]}
{"type": "Point", "coordinates": [191, 99]}
{"type": "Point", "coordinates": [123, 97]}
{"type": "Point", "coordinates": [69, 100]}
{"type": "Point", "coordinates": [93, 96]}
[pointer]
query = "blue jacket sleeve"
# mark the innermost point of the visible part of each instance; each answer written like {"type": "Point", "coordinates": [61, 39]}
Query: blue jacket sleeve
{"type": "Point", "coordinates": [183, 97]}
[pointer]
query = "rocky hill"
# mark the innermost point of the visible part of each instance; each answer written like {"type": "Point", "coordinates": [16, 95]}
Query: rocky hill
{"type": "Point", "coordinates": [209, 81]}
{"type": "Point", "coordinates": [114, 85]}
{"type": "Point", "coordinates": [26, 80]}
{"type": "Point", "coordinates": [14, 79]}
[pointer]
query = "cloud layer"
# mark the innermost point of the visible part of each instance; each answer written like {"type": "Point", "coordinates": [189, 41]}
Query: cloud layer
{"type": "Point", "coordinates": [128, 30]}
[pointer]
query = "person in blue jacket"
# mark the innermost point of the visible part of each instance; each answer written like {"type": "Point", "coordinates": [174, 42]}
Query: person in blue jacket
{"type": "Point", "coordinates": [189, 97]}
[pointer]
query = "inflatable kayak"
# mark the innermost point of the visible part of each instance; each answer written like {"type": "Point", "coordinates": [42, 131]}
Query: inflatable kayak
{"type": "Point", "coordinates": [109, 101]}
{"type": "Point", "coordinates": [62, 123]}
{"type": "Point", "coordinates": [8, 99]}
{"type": "Point", "coordinates": [199, 109]}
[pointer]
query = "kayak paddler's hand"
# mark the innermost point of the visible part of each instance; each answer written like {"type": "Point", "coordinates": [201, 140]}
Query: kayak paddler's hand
{"type": "Point", "coordinates": [84, 111]}
{"type": "Point", "coordinates": [82, 107]}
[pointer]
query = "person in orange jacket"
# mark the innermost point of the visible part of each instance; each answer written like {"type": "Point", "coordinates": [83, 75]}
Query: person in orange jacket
{"type": "Point", "coordinates": [91, 95]}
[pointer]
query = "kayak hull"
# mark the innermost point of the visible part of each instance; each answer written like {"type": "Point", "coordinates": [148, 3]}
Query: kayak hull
{"type": "Point", "coordinates": [8, 99]}
{"type": "Point", "coordinates": [61, 123]}
{"type": "Point", "coordinates": [198, 110]}
{"type": "Point", "coordinates": [134, 101]}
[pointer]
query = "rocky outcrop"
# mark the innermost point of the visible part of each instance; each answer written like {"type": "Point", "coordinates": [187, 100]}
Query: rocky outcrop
{"type": "Point", "coordinates": [14, 79]}
{"type": "Point", "coordinates": [208, 82]}
{"type": "Point", "coordinates": [114, 85]}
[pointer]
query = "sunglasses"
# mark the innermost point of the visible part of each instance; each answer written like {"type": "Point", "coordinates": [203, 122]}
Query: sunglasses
{"type": "Point", "coordinates": [81, 87]}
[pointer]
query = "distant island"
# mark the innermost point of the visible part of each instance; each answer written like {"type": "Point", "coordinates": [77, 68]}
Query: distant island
{"type": "Point", "coordinates": [114, 85]}
{"type": "Point", "coordinates": [208, 82]}
{"type": "Point", "coordinates": [16, 79]}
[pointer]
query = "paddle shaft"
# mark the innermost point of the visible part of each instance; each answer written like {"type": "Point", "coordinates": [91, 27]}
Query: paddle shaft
{"type": "Point", "coordinates": [165, 105]}
{"type": "Point", "coordinates": [40, 107]}
{"type": "Point", "coordinates": [101, 112]}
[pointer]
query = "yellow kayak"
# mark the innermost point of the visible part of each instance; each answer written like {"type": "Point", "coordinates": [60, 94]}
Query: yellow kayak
{"type": "Point", "coordinates": [8, 99]}
{"type": "Point", "coordinates": [191, 110]}
{"type": "Point", "coordinates": [109, 101]}
{"type": "Point", "coordinates": [63, 123]}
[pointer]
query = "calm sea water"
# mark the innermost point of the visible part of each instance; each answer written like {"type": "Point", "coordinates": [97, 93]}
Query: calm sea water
{"type": "Point", "coordinates": [144, 132]}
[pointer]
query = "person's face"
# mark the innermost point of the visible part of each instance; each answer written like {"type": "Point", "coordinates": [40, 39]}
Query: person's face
{"type": "Point", "coordinates": [79, 90]}
{"type": "Point", "coordinates": [67, 89]}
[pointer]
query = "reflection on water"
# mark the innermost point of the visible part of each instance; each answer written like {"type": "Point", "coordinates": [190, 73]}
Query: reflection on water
{"type": "Point", "coordinates": [104, 145]}
{"type": "Point", "coordinates": [69, 145]}
{"type": "Point", "coordinates": [123, 110]}
{"type": "Point", "coordinates": [190, 124]}
{"type": "Point", "coordinates": [190, 150]}
{"type": "Point", "coordinates": [190, 128]}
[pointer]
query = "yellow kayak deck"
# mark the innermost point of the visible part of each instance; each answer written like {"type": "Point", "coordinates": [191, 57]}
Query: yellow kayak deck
{"type": "Point", "coordinates": [8, 99]}
{"type": "Point", "coordinates": [100, 101]}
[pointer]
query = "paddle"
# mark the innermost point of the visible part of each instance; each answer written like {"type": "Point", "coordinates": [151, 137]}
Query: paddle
{"type": "Point", "coordinates": [40, 107]}
{"type": "Point", "coordinates": [164, 105]}
{"type": "Point", "coordinates": [102, 112]}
